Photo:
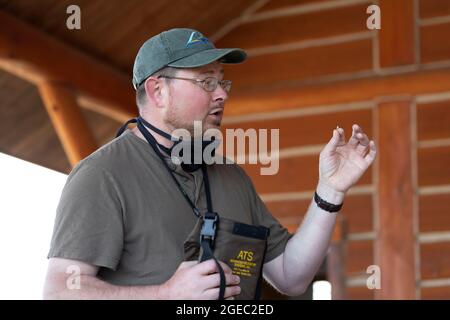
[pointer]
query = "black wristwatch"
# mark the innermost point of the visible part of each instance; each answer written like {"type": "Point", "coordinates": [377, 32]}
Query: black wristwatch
{"type": "Point", "coordinates": [326, 205]}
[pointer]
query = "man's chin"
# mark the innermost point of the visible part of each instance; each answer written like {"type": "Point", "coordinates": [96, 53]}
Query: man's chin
{"type": "Point", "coordinates": [212, 125]}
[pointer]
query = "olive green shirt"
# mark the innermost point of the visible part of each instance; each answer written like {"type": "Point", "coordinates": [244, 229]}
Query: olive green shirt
{"type": "Point", "coordinates": [121, 211]}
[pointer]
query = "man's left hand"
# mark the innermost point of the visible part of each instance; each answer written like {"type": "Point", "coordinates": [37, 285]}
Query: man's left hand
{"type": "Point", "coordinates": [342, 163]}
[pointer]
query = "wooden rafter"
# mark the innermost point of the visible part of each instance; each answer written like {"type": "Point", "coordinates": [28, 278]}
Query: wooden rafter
{"type": "Point", "coordinates": [68, 121]}
{"type": "Point", "coordinates": [368, 88]}
{"type": "Point", "coordinates": [37, 57]}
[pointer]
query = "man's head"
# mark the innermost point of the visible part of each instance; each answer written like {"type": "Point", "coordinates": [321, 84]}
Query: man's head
{"type": "Point", "coordinates": [187, 54]}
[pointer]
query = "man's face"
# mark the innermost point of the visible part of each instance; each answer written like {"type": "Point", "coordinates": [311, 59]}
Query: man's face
{"type": "Point", "coordinates": [189, 102]}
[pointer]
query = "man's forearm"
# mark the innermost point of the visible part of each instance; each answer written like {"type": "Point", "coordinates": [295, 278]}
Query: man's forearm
{"type": "Point", "coordinates": [92, 288]}
{"type": "Point", "coordinates": [306, 250]}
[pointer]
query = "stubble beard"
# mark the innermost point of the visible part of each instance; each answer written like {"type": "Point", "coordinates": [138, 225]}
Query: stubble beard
{"type": "Point", "coordinates": [174, 121]}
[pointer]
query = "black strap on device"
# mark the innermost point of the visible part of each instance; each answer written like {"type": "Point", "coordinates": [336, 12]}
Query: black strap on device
{"type": "Point", "coordinates": [210, 219]}
{"type": "Point", "coordinates": [207, 237]}
{"type": "Point", "coordinates": [208, 233]}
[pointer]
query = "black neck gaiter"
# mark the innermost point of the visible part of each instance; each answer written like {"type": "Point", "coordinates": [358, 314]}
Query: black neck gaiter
{"type": "Point", "coordinates": [191, 165]}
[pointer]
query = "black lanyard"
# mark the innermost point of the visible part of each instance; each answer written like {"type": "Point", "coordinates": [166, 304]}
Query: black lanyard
{"type": "Point", "coordinates": [210, 219]}
{"type": "Point", "coordinates": [153, 144]}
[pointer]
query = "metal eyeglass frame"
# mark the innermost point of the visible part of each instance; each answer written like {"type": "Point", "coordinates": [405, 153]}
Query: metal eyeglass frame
{"type": "Point", "coordinates": [224, 84]}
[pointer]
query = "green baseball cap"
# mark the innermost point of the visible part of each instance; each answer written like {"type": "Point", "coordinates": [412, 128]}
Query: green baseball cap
{"type": "Point", "coordinates": [179, 48]}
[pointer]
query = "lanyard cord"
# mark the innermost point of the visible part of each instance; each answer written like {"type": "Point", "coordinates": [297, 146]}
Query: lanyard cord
{"type": "Point", "coordinates": [152, 142]}
{"type": "Point", "coordinates": [207, 189]}
{"type": "Point", "coordinates": [206, 243]}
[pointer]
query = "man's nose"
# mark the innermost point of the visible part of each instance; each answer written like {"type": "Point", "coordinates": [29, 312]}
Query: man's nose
{"type": "Point", "coordinates": [220, 94]}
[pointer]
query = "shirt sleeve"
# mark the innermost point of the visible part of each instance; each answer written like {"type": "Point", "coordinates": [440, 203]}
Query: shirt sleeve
{"type": "Point", "coordinates": [89, 225]}
{"type": "Point", "coordinates": [279, 235]}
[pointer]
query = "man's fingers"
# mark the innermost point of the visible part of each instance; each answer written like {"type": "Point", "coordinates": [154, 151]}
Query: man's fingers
{"type": "Point", "coordinates": [353, 141]}
{"type": "Point", "coordinates": [213, 280]}
{"type": "Point", "coordinates": [372, 153]}
{"type": "Point", "coordinates": [229, 292]}
{"type": "Point", "coordinates": [336, 140]}
{"type": "Point", "coordinates": [206, 267]}
{"type": "Point", "coordinates": [225, 267]}
{"type": "Point", "coordinates": [341, 135]}
{"type": "Point", "coordinates": [363, 139]}
{"type": "Point", "coordinates": [210, 266]}
{"type": "Point", "coordinates": [359, 140]}
{"type": "Point", "coordinates": [187, 264]}
{"type": "Point", "coordinates": [363, 144]}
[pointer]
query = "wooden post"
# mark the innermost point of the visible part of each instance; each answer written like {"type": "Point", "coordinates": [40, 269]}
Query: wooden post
{"type": "Point", "coordinates": [396, 241]}
{"type": "Point", "coordinates": [336, 261]}
{"type": "Point", "coordinates": [70, 125]}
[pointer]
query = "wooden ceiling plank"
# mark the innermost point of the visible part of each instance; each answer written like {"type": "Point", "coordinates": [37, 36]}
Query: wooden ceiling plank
{"type": "Point", "coordinates": [283, 30]}
{"type": "Point", "coordinates": [37, 57]}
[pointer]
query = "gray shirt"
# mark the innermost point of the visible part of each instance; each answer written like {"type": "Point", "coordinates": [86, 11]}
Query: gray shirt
{"type": "Point", "coordinates": [121, 211]}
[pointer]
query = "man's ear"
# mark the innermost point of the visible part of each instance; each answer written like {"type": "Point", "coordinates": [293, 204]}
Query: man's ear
{"type": "Point", "coordinates": [154, 92]}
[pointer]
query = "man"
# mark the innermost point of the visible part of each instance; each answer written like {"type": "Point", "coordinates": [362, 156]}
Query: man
{"type": "Point", "coordinates": [122, 221]}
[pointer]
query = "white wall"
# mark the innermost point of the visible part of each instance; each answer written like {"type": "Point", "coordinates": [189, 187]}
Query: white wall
{"type": "Point", "coordinates": [29, 195]}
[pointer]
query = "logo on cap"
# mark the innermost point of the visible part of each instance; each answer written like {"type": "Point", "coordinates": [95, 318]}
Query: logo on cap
{"type": "Point", "coordinates": [196, 37]}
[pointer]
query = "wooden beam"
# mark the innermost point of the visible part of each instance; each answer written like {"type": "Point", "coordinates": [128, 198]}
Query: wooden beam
{"type": "Point", "coordinates": [397, 33]}
{"type": "Point", "coordinates": [37, 57]}
{"type": "Point", "coordinates": [302, 64]}
{"type": "Point", "coordinates": [360, 255]}
{"type": "Point", "coordinates": [336, 260]}
{"type": "Point", "coordinates": [434, 259]}
{"type": "Point", "coordinates": [433, 8]}
{"type": "Point", "coordinates": [363, 89]}
{"type": "Point", "coordinates": [357, 212]}
{"type": "Point", "coordinates": [396, 240]}
{"type": "Point", "coordinates": [433, 168]}
{"type": "Point", "coordinates": [434, 44]}
{"type": "Point", "coordinates": [68, 121]}
{"type": "Point", "coordinates": [433, 120]}
{"type": "Point", "coordinates": [433, 212]}
{"type": "Point", "coordinates": [289, 178]}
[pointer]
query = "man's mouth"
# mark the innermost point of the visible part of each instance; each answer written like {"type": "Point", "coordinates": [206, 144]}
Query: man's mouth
{"type": "Point", "coordinates": [217, 113]}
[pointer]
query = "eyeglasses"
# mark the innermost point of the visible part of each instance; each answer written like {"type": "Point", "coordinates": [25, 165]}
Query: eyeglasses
{"type": "Point", "coordinates": [208, 84]}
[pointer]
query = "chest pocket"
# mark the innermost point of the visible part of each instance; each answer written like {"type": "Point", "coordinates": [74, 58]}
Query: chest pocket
{"type": "Point", "coordinates": [241, 246]}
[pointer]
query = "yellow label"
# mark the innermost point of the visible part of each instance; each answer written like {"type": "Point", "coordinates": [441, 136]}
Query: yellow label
{"type": "Point", "coordinates": [243, 264]}
{"type": "Point", "coordinates": [245, 255]}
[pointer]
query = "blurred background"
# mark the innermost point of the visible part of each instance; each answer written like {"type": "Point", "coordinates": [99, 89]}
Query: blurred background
{"type": "Point", "coordinates": [313, 65]}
